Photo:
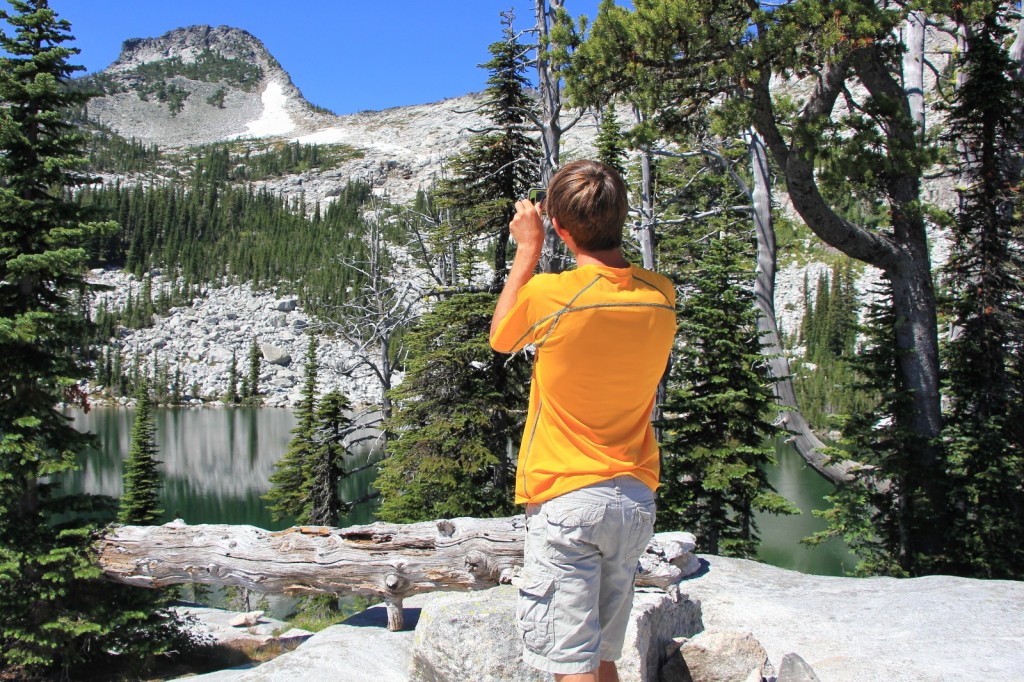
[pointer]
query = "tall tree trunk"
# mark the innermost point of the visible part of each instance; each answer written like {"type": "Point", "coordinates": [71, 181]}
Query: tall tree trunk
{"type": "Point", "coordinates": [913, 67]}
{"type": "Point", "coordinates": [648, 224]}
{"type": "Point", "coordinates": [1017, 49]}
{"type": "Point", "coordinates": [903, 255]}
{"type": "Point", "coordinates": [802, 437]}
{"type": "Point", "coordinates": [548, 82]}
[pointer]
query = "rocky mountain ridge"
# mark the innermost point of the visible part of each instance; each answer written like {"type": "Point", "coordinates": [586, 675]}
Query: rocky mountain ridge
{"type": "Point", "coordinates": [401, 150]}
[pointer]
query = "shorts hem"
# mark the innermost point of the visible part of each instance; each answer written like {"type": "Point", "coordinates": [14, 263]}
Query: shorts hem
{"type": "Point", "coordinates": [560, 667]}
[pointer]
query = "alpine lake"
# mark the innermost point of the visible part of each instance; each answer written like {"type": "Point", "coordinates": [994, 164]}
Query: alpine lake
{"type": "Point", "coordinates": [217, 462]}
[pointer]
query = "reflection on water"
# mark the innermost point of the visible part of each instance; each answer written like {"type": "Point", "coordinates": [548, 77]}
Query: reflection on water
{"type": "Point", "coordinates": [216, 463]}
{"type": "Point", "coordinates": [780, 545]}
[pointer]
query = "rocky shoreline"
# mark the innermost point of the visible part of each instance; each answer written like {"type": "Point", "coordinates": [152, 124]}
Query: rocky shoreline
{"type": "Point", "coordinates": [199, 341]}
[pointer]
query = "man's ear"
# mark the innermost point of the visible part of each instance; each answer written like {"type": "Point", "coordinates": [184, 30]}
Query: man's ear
{"type": "Point", "coordinates": [562, 234]}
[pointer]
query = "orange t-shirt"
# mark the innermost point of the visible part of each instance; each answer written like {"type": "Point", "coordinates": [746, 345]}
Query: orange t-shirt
{"type": "Point", "coordinates": [602, 337]}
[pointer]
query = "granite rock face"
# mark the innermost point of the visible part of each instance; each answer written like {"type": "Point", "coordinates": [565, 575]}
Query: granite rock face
{"type": "Point", "coordinates": [200, 340]}
{"type": "Point", "coordinates": [474, 636]}
{"type": "Point", "coordinates": [928, 629]}
{"type": "Point", "coordinates": [724, 656]}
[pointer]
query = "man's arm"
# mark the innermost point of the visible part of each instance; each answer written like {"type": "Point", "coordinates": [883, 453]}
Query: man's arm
{"type": "Point", "coordinates": [527, 228]}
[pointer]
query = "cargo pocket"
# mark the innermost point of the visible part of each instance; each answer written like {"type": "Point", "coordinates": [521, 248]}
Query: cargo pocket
{"type": "Point", "coordinates": [533, 610]}
{"type": "Point", "coordinates": [643, 528]}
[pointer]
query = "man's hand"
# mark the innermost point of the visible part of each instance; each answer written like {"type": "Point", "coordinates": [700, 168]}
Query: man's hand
{"type": "Point", "coordinates": [527, 227]}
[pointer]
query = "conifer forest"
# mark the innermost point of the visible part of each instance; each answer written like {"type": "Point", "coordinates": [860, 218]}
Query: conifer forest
{"type": "Point", "coordinates": [751, 136]}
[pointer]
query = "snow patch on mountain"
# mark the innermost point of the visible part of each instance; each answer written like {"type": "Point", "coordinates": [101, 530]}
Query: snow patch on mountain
{"type": "Point", "coordinates": [275, 119]}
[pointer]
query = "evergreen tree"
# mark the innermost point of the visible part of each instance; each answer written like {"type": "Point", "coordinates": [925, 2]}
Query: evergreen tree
{"type": "Point", "coordinates": [867, 510]}
{"type": "Point", "coordinates": [500, 165]}
{"type": "Point", "coordinates": [331, 432]}
{"type": "Point", "coordinates": [231, 397]}
{"type": "Point", "coordinates": [288, 496]}
{"type": "Point", "coordinates": [985, 377]}
{"type": "Point", "coordinates": [456, 419]}
{"type": "Point", "coordinates": [825, 385]}
{"type": "Point", "coordinates": [252, 382]}
{"type": "Point", "coordinates": [140, 501]}
{"type": "Point", "coordinates": [611, 148]}
{"type": "Point", "coordinates": [717, 439]}
{"type": "Point", "coordinates": [55, 613]}
{"type": "Point", "coordinates": [176, 383]}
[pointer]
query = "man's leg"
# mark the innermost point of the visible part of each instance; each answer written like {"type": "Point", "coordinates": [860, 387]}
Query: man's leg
{"type": "Point", "coordinates": [606, 673]}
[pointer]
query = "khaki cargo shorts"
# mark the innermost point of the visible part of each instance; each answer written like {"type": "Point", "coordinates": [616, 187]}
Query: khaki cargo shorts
{"type": "Point", "coordinates": [576, 587]}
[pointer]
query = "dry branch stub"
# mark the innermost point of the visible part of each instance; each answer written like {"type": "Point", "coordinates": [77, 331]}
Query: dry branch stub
{"type": "Point", "coordinates": [381, 560]}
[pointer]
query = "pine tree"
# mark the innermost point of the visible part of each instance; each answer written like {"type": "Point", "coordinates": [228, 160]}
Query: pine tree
{"type": "Point", "coordinates": [252, 383]}
{"type": "Point", "coordinates": [867, 510]}
{"type": "Point", "coordinates": [288, 496]}
{"type": "Point", "coordinates": [140, 501]}
{"type": "Point", "coordinates": [456, 419]}
{"type": "Point", "coordinates": [55, 613]}
{"type": "Point", "coordinates": [331, 433]}
{"type": "Point", "coordinates": [176, 383]}
{"type": "Point", "coordinates": [500, 165]}
{"type": "Point", "coordinates": [231, 397]}
{"type": "Point", "coordinates": [985, 377]}
{"type": "Point", "coordinates": [611, 149]}
{"type": "Point", "coordinates": [716, 441]}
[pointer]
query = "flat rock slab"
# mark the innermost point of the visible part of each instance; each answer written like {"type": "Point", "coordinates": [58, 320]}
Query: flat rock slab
{"type": "Point", "coordinates": [929, 629]}
{"type": "Point", "coordinates": [217, 622]}
{"type": "Point", "coordinates": [359, 650]}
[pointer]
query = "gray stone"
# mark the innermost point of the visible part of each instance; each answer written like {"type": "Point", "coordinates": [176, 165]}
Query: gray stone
{"type": "Point", "coordinates": [218, 355]}
{"type": "Point", "coordinates": [275, 355]}
{"type": "Point", "coordinates": [359, 650]}
{"type": "Point", "coordinates": [463, 636]}
{"type": "Point", "coordinates": [294, 633]}
{"type": "Point", "coordinates": [725, 656]}
{"type": "Point", "coordinates": [246, 620]}
{"type": "Point", "coordinates": [470, 636]}
{"type": "Point", "coordinates": [928, 629]}
{"type": "Point", "coordinates": [286, 305]}
{"type": "Point", "coordinates": [795, 669]}
{"type": "Point", "coordinates": [674, 669]}
{"type": "Point", "coordinates": [654, 621]}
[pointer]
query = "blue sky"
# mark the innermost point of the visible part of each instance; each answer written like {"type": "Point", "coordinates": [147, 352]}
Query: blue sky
{"type": "Point", "coordinates": [346, 55]}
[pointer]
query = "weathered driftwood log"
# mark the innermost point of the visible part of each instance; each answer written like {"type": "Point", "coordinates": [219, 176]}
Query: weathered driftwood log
{"type": "Point", "coordinates": [389, 561]}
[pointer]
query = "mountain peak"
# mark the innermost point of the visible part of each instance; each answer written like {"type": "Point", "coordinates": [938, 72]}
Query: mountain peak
{"type": "Point", "coordinates": [200, 84]}
{"type": "Point", "coordinates": [191, 44]}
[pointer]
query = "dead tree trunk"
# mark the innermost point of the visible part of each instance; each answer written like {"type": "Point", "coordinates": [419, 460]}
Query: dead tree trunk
{"type": "Point", "coordinates": [383, 560]}
{"type": "Point", "coordinates": [801, 436]}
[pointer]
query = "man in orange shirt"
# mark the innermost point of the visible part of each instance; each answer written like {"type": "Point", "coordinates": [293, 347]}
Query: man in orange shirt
{"type": "Point", "coordinates": [588, 463]}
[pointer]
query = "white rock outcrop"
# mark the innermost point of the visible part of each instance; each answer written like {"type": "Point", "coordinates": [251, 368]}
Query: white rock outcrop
{"type": "Point", "coordinates": [929, 629]}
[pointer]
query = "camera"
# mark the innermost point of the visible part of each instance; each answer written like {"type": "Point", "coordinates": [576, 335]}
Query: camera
{"type": "Point", "coordinates": [537, 194]}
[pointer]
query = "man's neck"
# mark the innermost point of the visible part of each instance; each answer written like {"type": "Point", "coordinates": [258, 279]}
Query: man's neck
{"type": "Point", "coordinates": [610, 258]}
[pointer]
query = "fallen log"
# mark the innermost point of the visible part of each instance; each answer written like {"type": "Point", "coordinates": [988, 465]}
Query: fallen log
{"type": "Point", "coordinates": [383, 560]}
